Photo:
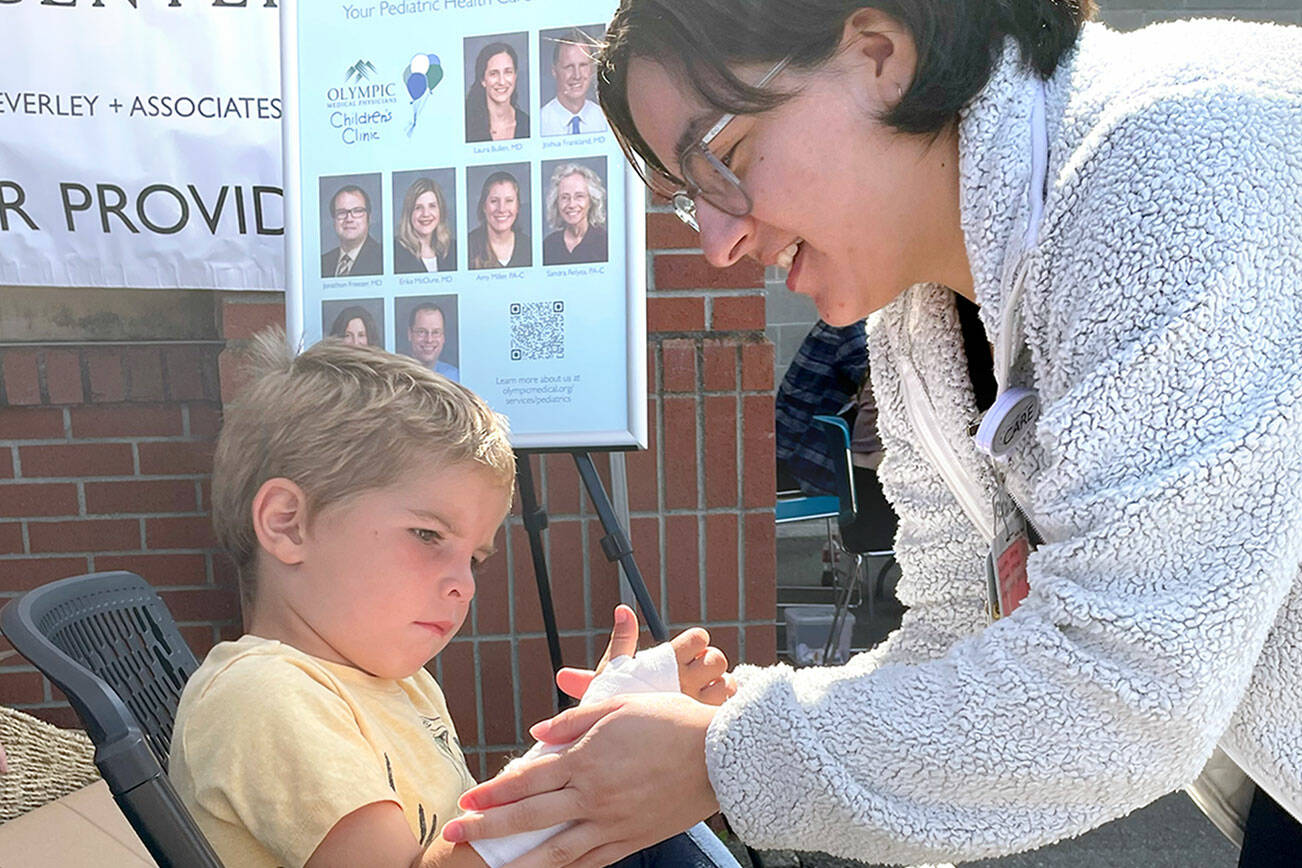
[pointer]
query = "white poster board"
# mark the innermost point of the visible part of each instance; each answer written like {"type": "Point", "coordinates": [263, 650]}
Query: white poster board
{"type": "Point", "coordinates": [453, 194]}
{"type": "Point", "coordinates": [140, 144]}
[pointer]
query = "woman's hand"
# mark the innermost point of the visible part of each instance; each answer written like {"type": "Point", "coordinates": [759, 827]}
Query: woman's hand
{"type": "Point", "coordinates": [636, 776]}
{"type": "Point", "coordinates": [702, 668]}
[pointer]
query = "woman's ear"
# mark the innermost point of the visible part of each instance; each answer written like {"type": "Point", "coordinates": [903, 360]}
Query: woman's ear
{"type": "Point", "coordinates": [887, 49]}
{"type": "Point", "coordinates": [280, 520]}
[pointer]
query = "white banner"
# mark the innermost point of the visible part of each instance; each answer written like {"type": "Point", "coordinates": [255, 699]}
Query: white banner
{"type": "Point", "coordinates": [140, 144]}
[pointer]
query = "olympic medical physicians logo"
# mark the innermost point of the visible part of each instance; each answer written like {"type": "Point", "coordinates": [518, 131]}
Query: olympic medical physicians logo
{"type": "Point", "coordinates": [360, 108]}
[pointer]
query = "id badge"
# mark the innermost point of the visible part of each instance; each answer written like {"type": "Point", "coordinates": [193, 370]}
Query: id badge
{"type": "Point", "coordinates": [1006, 583]}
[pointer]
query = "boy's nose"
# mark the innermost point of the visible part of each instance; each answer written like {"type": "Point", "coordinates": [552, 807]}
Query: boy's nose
{"type": "Point", "coordinates": [461, 584]}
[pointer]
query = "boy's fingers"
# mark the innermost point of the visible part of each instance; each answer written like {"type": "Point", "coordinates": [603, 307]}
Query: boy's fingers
{"type": "Point", "coordinates": [623, 636]}
{"type": "Point", "coordinates": [574, 682]}
{"type": "Point", "coordinates": [717, 692]}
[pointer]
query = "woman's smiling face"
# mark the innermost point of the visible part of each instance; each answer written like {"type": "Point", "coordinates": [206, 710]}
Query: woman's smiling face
{"type": "Point", "coordinates": [572, 200]}
{"type": "Point", "coordinates": [425, 214]}
{"type": "Point", "coordinates": [499, 78]}
{"type": "Point", "coordinates": [854, 209]}
{"type": "Point", "coordinates": [501, 206]}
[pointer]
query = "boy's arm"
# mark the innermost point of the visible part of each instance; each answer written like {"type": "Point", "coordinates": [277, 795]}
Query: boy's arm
{"type": "Point", "coordinates": [378, 835]}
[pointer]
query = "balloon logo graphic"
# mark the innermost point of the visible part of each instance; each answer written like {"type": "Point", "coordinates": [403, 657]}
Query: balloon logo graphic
{"type": "Point", "coordinates": [421, 76]}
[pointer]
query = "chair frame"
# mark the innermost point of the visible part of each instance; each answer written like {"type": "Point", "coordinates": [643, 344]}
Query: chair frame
{"type": "Point", "coordinates": [131, 756]}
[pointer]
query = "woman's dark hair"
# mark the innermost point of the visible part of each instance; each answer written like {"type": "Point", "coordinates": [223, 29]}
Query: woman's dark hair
{"type": "Point", "coordinates": [356, 311]}
{"type": "Point", "coordinates": [958, 44]}
{"type": "Point", "coordinates": [481, 256]}
{"type": "Point", "coordinates": [481, 65]}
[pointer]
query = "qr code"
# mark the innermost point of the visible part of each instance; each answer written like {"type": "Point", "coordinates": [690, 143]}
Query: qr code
{"type": "Point", "coordinates": [537, 330]}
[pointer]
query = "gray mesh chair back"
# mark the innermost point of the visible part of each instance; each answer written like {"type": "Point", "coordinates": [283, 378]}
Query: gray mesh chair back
{"type": "Point", "coordinates": [108, 642]}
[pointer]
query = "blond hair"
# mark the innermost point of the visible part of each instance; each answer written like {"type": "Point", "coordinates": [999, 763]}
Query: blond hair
{"type": "Point", "coordinates": [338, 420]}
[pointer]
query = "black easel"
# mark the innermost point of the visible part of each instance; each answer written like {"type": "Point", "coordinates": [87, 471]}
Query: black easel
{"type": "Point", "coordinates": [615, 544]}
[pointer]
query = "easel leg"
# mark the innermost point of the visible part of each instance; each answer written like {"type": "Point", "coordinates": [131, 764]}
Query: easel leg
{"type": "Point", "coordinates": [616, 544]}
{"type": "Point", "coordinates": [535, 522]}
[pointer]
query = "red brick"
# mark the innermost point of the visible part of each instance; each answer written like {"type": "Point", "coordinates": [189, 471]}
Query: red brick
{"type": "Point", "coordinates": [199, 639]}
{"type": "Point", "coordinates": [761, 645]}
{"type": "Point", "coordinates": [680, 453]}
{"type": "Point", "coordinates": [63, 376]}
{"type": "Point", "coordinates": [565, 568]}
{"type": "Point", "coordinates": [498, 695]}
{"type": "Point", "coordinates": [22, 574]}
{"type": "Point", "coordinates": [185, 369]}
{"type": "Point", "coordinates": [720, 373]}
{"type": "Point", "coordinates": [646, 551]}
{"type": "Point", "coordinates": [11, 538]}
{"type": "Point", "coordinates": [224, 573]}
{"type": "Point", "coordinates": [106, 380]}
{"type": "Point", "coordinates": [84, 535]}
{"type": "Point", "coordinates": [691, 271]}
{"type": "Point", "coordinates": [726, 640]}
{"type": "Point", "coordinates": [61, 716]}
{"type": "Point", "coordinates": [144, 373]}
{"type": "Point", "coordinates": [682, 570]}
{"type": "Point", "coordinates": [126, 420]}
{"type": "Point", "coordinates": [757, 367]}
{"type": "Point", "coordinates": [77, 459]}
{"type": "Point", "coordinates": [180, 532]}
{"type": "Point", "coordinates": [31, 423]}
{"type": "Point", "coordinates": [759, 549]}
{"type": "Point", "coordinates": [720, 450]}
{"type": "Point", "coordinates": [679, 371]}
{"type": "Point", "coordinates": [205, 420]}
{"type": "Point", "coordinates": [528, 615]}
{"type": "Point", "coordinates": [536, 685]}
{"type": "Point", "coordinates": [22, 377]}
{"type": "Point", "coordinates": [667, 232]}
{"type": "Point", "coordinates": [493, 593]}
{"type": "Point", "coordinates": [161, 571]}
{"type": "Point", "coordinates": [457, 663]}
{"type": "Point", "coordinates": [241, 320]}
{"type": "Point", "coordinates": [6, 463]}
{"type": "Point", "coordinates": [232, 373]}
{"type": "Point", "coordinates": [141, 496]}
{"type": "Point", "coordinates": [759, 482]}
{"type": "Point", "coordinates": [176, 459]}
{"type": "Point", "coordinates": [735, 313]}
{"type": "Point", "coordinates": [21, 687]}
{"type": "Point", "coordinates": [675, 314]}
{"type": "Point", "coordinates": [643, 479]}
{"type": "Point", "coordinates": [201, 604]}
{"type": "Point", "coordinates": [563, 484]}
{"type": "Point", "coordinates": [577, 650]}
{"type": "Point", "coordinates": [46, 499]}
{"type": "Point", "coordinates": [604, 576]}
{"type": "Point", "coordinates": [652, 378]}
{"type": "Point", "coordinates": [722, 569]}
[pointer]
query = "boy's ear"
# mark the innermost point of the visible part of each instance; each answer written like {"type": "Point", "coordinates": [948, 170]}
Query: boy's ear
{"type": "Point", "coordinates": [280, 519]}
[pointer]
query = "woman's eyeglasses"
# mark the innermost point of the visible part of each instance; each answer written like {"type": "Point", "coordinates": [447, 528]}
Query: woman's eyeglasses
{"type": "Point", "coordinates": [707, 177]}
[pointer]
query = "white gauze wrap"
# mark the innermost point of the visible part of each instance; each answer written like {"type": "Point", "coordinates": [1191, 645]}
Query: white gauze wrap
{"type": "Point", "coordinates": [654, 670]}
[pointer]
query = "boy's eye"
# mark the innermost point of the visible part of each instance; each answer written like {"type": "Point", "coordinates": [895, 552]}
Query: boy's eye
{"type": "Point", "coordinates": [424, 534]}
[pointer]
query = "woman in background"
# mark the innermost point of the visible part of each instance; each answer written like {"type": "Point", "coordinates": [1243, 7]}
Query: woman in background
{"type": "Point", "coordinates": [495, 242]}
{"type": "Point", "coordinates": [576, 209]}
{"type": "Point", "coordinates": [425, 240]}
{"type": "Point", "coordinates": [355, 325]}
{"type": "Point", "coordinates": [491, 112]}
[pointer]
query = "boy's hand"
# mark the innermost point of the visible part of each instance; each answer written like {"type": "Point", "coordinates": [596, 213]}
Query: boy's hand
{"type": "Point", "coordinates": [702, 669]}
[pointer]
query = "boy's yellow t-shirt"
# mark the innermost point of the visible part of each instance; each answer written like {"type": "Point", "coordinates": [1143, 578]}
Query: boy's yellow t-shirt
{"type": "Point", "coordinates": [272, 747]}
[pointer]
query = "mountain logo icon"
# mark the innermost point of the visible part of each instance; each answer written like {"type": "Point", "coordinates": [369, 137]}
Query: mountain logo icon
{"type": "Point", "coordinates": [359, 71]}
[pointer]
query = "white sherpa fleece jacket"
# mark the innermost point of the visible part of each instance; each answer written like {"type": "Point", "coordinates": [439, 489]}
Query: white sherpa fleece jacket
{"type": "Point", "coordinates": [1164, 328]}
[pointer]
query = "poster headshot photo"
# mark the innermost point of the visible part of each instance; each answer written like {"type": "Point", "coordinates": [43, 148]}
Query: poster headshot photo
{"type": "Point", "coordinates": [357, 321]}
{"type": "Point", "coordinates": [499, 197]}
{"type": "Point", "coordinates": [351, 224]}
{"type": "Point", "coordinates": [497, 87]}
{"type": "Point", "coordinates": [575, 211]}
{"type": "Point", "coordinates": [425, 328]}
{"type": "Point", "coordinates": [567, 81]}
{"type": "Point", "coordinates": [424, 221]}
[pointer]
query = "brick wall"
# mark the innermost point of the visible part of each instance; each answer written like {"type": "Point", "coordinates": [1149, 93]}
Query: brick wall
{"type": "Point", "coordinates": [105, 453]}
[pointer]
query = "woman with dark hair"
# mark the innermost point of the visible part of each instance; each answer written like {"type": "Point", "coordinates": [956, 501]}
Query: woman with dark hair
{"type": "Point", "coordinates": [1103, 583]}
{"type": "Point", "coordinates": [496, 242]}
{"type": "Point", "coordinates": [491, 112]}
{"type": "Point", "coordinates": [425, 240]}
{"type": "Point", "coordinates": [355, 325]}
{"type": "Point", "coordinates": [576, 209]}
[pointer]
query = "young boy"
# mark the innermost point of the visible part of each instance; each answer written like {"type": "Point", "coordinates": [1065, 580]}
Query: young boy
{"type": "Point", "coordinates": [357, 493]}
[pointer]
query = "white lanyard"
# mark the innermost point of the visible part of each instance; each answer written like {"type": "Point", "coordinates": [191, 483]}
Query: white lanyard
{"type": "Point", "coordinates": [1015, 408]}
